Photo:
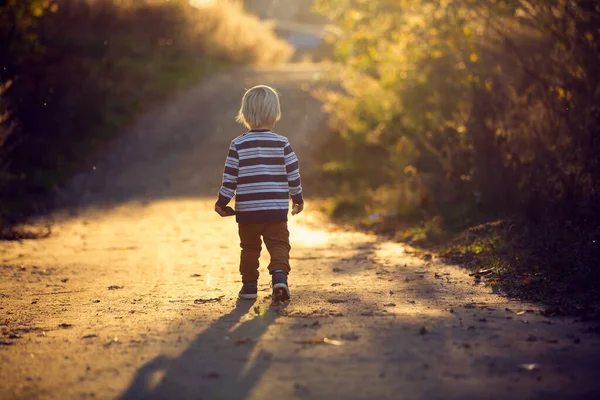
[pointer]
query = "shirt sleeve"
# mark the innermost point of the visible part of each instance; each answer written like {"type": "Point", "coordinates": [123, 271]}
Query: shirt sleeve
{"type": "Point", "coordinates": [293, 174]}
{"type": "Point", "coordinates": [230, 177]}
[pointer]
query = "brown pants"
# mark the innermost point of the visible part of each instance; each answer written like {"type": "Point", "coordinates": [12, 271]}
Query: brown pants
{"type": "Point", "coordinates": [277, 240]}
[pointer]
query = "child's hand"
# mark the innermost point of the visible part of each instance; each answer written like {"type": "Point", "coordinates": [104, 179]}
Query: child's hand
{"type": "Point", "coordinates": [297, 209]}
{"type": "Point", "coordinates": [220, 211]}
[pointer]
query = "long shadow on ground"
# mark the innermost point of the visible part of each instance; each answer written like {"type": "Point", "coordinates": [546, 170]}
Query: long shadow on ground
{"type": "Point", "coordinates": [194, 373]}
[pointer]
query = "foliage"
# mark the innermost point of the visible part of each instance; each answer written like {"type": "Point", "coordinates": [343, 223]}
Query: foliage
{"type": "Point", "coordinates": [471, 109]}
{"type": "Point", "coordinates": [74, 72]}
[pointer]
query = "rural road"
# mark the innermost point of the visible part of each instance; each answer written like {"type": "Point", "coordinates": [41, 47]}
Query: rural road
{"type": "Point", "coordinates": [133, 296]}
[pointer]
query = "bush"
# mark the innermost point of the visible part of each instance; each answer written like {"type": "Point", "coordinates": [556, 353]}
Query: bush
{"type": "Point", "coordinates": [474, 110]}
{"type": "Point", "coordinates": [75, 71]}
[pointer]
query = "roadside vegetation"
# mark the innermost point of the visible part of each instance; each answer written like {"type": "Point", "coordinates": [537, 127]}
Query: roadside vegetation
{"type": "Point", "coordinates": [473, 128]}
{"type": "Point", "coordinates": [74, 73]}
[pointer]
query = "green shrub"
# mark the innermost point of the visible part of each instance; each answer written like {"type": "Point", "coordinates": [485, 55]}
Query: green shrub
{"type": "Point", "coordinates": [474, 110]}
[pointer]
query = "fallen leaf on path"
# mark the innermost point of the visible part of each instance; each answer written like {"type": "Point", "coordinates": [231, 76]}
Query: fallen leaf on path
{"type": "Point", "coordinates": [115, 287]}
{"type": "Point", "coordinates": [65, 325]}
{"type": "Point", "coordinates": [214, 299]}
{"type": "Point", "coordinates": [90, 336]}
{"type": "Point", "coordinates": [482, 272]}
{"type": "Point", "coordinates": [410, 301]}
{"type": "Point", "coordinates": [521, 313]}
{"type": "Point", "coordinates": [335, 284]}
{"type": "Point", "coordinates": [13, 335]}
{"type": "Point", "coordinates": [195, 276]}
{"type": "Point", "coordinates": [111, 342]}
{"type": "Point", "coordinates": [389, 305]}
{"type": "Point", "coordinates": [528, 367]}
{"type": "Point", "coordinates": [337, 269]}
{"type": "Point", "coordinates": [321, 341]}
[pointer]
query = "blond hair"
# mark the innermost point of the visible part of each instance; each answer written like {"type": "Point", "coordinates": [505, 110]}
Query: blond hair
{"type": "Point", "coordinates": [260, 107]}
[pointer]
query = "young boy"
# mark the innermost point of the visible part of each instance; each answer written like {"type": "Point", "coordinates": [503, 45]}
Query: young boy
{"type": "Point", "coordinates": [262, 167]}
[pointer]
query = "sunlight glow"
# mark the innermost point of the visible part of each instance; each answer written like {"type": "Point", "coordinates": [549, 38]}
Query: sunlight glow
{"type": "Point", "coordinates": [309, 237]}
{"type": "Point", "coordinates": [202, 3]}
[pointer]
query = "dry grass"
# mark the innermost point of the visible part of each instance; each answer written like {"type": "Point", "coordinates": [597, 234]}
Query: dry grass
{"type": "Point", "coordinates": [217, 28]}
{"type": "Point", "coordinates": [230, 32]}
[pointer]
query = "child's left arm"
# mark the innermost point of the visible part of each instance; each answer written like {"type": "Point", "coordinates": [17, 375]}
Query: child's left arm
{"type": "Point", "coordinates": [230, 176]}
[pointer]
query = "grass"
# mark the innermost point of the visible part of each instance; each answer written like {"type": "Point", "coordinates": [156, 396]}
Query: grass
{"type": "Point", "coordinates": [509, 256]}
{"type": "Point", "coordinates": [513, 257]}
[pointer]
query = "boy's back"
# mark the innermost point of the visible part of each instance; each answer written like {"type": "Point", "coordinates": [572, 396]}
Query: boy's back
{"type": "Point", "coordinates": [263, 169]}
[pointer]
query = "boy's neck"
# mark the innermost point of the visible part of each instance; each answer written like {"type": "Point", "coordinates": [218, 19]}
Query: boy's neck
{"type": "Point", "coordinates": [260, 128]}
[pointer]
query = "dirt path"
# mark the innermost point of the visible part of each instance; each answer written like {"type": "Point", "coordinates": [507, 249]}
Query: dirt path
{"type": "Point", "coordinates": [134, 294]}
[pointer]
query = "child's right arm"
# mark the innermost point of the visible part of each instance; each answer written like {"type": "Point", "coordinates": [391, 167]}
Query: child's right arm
{"type": "Point", "coordinates": [230, 177]}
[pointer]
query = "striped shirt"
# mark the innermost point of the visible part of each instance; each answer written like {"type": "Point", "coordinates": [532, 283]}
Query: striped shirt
{"type": "Point", "coordinates": [262, 172]}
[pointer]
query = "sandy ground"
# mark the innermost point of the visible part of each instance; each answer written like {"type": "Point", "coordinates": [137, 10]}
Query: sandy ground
{"type": "Point", "coordinates": [133, 296]}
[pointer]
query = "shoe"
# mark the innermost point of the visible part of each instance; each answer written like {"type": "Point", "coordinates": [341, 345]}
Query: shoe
{"type": "Point", "coordinates": [281, 291]}
{"type": "Point", "coordinates": [249, 290]}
